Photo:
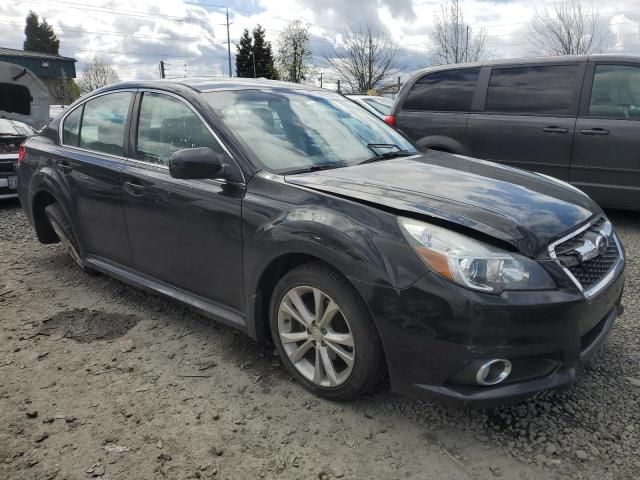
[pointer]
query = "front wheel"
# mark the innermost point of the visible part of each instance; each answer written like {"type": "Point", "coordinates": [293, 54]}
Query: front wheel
{"type": "Point", "coordinates": [324, 334]}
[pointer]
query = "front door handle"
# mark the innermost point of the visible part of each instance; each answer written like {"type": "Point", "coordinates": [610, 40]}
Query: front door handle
{"type": "Point", "coordinates": [594, 131]}
{"type": "Point", "coordinates": [64, 166]}
{"type": "Point", "coordinates": [134, 188]}
{"type": "Point", "coordinates": [554, 129]}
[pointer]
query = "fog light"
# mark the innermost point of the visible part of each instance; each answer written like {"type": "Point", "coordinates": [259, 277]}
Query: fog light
{"type": "Point", "coordinates": [493, 372]}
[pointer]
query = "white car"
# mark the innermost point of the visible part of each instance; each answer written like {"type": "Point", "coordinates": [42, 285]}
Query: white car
{"type": "Point", "coordinates": [379, 106]}
{"type": "Point", "coordinates": [24, 106]}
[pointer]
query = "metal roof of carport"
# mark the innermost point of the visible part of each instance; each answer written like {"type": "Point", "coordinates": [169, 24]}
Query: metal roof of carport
{"type": "Point", "coordinates": [43, 65]}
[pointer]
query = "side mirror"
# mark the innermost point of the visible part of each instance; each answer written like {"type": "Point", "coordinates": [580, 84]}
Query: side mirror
{"type": "Point", "coordinates": [196, 163]}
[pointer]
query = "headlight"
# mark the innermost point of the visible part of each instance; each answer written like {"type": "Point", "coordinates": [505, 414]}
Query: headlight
{"type": "Point", "coordinates": [472, 263]}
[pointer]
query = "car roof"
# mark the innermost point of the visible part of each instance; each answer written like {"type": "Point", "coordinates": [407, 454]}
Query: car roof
{"type": "Point", "coordinates": [216, 84]}
{"type": "Point", "coordinates": [527, 60]}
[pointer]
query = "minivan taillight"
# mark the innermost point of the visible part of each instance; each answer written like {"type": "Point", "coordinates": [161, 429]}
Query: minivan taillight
{"type": "Point", "coordinates": [22, 151]}
{"type": "Point", "coordinates": [390, 120]}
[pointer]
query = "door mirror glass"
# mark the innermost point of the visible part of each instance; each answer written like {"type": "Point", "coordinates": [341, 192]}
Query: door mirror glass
{"type": "Point", "coordinates": [197, 163]}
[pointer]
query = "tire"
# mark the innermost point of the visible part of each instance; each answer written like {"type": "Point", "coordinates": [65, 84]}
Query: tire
{"type": "Point", "coordinates": [60, 224]}
{"type": "Point", "coordinates": [325, 340]}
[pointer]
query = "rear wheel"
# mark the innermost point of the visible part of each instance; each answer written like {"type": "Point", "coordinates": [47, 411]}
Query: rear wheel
{"type": "Point", "coordinates": [324, 333]}
{"type": "Point", "coordinates": [62, 227]}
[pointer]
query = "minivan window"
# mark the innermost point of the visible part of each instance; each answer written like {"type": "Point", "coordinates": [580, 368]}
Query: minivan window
{"type": "Point", "coordinates": [167, 125]}
{"type": "Point", "coordinates": [290, 130]}
{"type": "Point", "coordinates": [533, 90]}
{"type": "Point", "coordinates": [103, 122]}
{"type": "Point", "coordinates": [448, 91]}
{"type": "Point", "coordinates": [615, 92]}
{"type": "Point", "coordinates": [71, 128]}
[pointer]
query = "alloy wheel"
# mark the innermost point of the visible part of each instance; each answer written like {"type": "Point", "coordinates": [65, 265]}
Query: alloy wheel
{"type": "Point", "coordinates": [316, 336]}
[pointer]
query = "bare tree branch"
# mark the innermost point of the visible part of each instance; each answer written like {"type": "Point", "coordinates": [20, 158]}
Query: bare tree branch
{"type": "Point", "coordinates": [569, 28]}
{"type": "Point", "coordinates": [98, 74]}
{"type": "Point", "coordinates": [454, 41]}
{"type": "Point", "coordinates": [294, 58]}
{"type": "Point", "coordinates": [368, 58]}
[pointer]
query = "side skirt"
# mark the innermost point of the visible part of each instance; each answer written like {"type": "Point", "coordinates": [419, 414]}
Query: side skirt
{"type": "Point", "coordinates": [206, 307]}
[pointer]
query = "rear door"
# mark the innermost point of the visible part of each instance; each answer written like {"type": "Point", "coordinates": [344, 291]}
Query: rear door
{"type": "Point", "coordinates": [606, 152]}
{"type": "Point", "coordinates": [528, 117]}
{"type": "Point", "coordinates": [434, 112]}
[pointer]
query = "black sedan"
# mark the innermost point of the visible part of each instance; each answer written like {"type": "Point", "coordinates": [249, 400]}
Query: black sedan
{"type": "Point", "coordinates": [297, 217]}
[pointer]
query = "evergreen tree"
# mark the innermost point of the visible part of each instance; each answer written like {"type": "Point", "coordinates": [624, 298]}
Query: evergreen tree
{"type": "Point", "coordinates": [40, 36]}
{"type": "Point", "coordinates": [244, 60]}
{"type": "Point", "coordinates": [263, 55]}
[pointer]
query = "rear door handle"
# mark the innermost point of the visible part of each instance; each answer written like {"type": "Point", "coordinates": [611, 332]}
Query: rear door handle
{"type": "Point", "coordinates": [594, 131]}
{"type": "Point", "coordinates": [554, 129]}
{"type": "Point", "coordinates": [64, 166]}
{"type": "Point", "coordinates": [134, 188]}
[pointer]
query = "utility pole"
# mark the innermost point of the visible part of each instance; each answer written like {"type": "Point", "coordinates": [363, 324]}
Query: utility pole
{"type": "Point", "coordinates": [320, 79]}
{"type": "Point", "coordinates": [466, 46]}
{"type": "Point", "coordinates": [162, 69]}
{"type": "Point", "coordinates": [253, 54]}
{"type": "Point", "coordinates": [398, 85]}
{"type": "Point", "coordinates": [339, 86]}
{"type": "Point", "coordinates": [228, 43]}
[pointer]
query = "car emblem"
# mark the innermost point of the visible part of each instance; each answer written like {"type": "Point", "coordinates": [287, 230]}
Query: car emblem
{"type": "Point", "coordinates": [593, 247]}
{"type": "Point", "coordinates": [602, 244]}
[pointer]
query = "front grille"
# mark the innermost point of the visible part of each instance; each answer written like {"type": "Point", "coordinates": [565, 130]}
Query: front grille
{"type": "Point", "coordinates": [588, 273]}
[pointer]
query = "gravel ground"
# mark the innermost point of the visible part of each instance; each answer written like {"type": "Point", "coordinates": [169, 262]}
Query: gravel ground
{"type": "Point", "coordinates": [98, 379]}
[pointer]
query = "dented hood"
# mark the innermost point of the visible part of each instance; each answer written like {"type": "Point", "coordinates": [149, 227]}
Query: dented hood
{"type": "Point", "coordinates": [23, 97]}
{"type": "Point", "coordinates": [524, 209]}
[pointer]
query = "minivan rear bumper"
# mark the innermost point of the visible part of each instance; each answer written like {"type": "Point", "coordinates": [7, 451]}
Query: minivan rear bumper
{"type": "Point", "coordinates": [435, 334]}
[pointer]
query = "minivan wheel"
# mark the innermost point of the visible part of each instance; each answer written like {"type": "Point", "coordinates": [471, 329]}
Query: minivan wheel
{"type": "Point", "coordinates": [324, 333]}
{"type": "Point", "coordinates": [60, 224]}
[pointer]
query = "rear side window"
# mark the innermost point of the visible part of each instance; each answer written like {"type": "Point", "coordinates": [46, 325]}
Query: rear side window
{"type": "Point", "coordinates": [166, 125]}
{"type": "Point", "coordinates": [615, 92]}
{"type": "Point", "coordinates": [103, 123]}
{"type": "Point", "coordinates": [71, 128]}
{"type": "Point", "coordinates": [533, 90]}
{"type": "Point", "coordinates": [448, 91]}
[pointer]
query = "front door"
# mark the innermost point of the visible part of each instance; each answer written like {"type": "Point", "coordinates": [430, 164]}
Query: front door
{"type": "Point", "coordinates": [606, 151]}
{"type": "Point", "coordinates": [186, 233]}
{"type": "Point", "coordinates": [529, 117]}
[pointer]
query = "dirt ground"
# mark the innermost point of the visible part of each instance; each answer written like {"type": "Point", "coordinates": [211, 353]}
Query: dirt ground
{"type": "Point", "coordinates": [98, 379]}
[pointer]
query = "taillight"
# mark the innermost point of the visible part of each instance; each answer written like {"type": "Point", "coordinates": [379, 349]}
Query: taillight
{"type": "Point", "coordinates": [22, 151]}
{"type": "Point", "coordinates": [390, 120]}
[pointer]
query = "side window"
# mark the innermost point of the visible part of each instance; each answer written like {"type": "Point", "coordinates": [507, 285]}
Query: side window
{"type": "Point", "coordinates": [166, 125]}
{"type": "Point", "coordinates": [449, 91]}
{"type": "Point", "coordinates": [103, 122]}
{"type": "Point", "coordinates": [71, 128]}
{"type": "Point", "coordinates": [615, 92]}
{"type": "Point", "coordinates": [533, 90]}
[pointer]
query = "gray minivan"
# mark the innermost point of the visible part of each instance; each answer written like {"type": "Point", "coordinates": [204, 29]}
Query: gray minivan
{"type": "Point", "coordinates": [576, 118]}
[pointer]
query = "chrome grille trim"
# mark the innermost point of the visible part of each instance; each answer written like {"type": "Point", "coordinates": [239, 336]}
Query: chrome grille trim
{"type": "Point", "coordinates": [606, 279]}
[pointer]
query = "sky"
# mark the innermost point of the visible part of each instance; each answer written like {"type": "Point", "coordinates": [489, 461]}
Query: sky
{"type": "Point", "coordinates": [190, 36]}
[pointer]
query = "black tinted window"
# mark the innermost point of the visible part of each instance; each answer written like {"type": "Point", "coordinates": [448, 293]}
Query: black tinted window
{"type": "Point", "coordinates": [533, 90]}
{"type": "Point", "coordinates": [450, 90]}
{"type": "Point", "coordinates": [71, 128]}
{"type": "Point", "coordinates": [103, 123]}
{"type": "Point", "coordinates": [615, 92]}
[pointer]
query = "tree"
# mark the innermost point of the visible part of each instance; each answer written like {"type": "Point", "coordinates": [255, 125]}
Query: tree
{"type": "Point", "coordinates": [263, 55]}
{"type": "Point", "coordinates": [244, 61]}
{"type": "Point", "coordinates": [368, 59]}
{"type": "Point", "coordinates": [97, 74]}
{"type": "Point", "coordinates": [567, 28]}
{"type": "Point", "coordinates": [452, 40]}
{"type": "Point", "coordinates": [294, 59]}
{"type": "Point", "coordinates": [40, 36]}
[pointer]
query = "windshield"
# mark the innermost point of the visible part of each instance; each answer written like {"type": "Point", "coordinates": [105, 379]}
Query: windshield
{"type": "Point", "coordinates": [296, 130]}
{"type": "Point", "coordinates": [380, 104]}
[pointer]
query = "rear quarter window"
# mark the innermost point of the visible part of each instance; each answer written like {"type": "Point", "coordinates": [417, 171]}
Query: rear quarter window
{"type": "Point", "coordinates": [448, 91]}
{"type": "Point", "coordinates": [71, 128]}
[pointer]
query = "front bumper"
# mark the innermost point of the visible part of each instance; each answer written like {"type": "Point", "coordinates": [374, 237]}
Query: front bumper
{"type": "Point", "coordinates": [434, 330]}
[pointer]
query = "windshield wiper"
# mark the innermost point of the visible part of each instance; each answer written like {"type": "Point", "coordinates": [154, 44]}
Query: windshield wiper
{"type": "Point", "coordinates": [388, 156]}
{"type": "Point", "coordinates": [314, 168]}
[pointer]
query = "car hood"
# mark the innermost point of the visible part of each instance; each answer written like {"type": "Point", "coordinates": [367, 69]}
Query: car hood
{"type": "Point", "coordinates": [29, 98]}
{"type": "Point", "coordinates": [524, 209]}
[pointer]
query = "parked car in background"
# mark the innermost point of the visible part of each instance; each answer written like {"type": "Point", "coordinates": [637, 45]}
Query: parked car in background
{"type": "Point", "coordinates": [12, 134]}
{"type": "Point", "coordinates": [379, 106]}
{"type": "Point", "coordinates": [326, 231]}
{"type": "Point", "coordinates": [576, 118]}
